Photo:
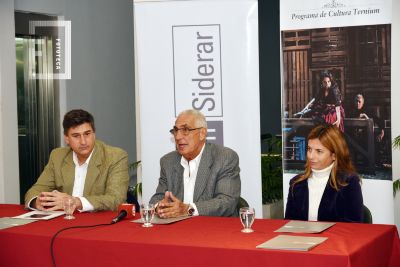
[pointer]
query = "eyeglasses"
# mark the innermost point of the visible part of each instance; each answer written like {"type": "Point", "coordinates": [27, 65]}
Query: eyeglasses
{"type": "Point", "coordinates": [184, 131]}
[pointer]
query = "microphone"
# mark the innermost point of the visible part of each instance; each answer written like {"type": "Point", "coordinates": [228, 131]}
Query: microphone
{"type": "Point", "coordinates": [126, 210]}
{"type": "Point", "coordinates": [121, 215]}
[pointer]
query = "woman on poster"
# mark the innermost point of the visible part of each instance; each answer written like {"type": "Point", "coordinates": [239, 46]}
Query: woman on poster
{"type": "Point", "coordinates": [328, 103]}
{"type": "Point", "coordinates": [329, 189]}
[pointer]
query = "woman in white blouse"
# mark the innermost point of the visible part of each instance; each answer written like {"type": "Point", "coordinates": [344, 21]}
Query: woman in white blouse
{"type": "Point", "coordinates": [329, 189]}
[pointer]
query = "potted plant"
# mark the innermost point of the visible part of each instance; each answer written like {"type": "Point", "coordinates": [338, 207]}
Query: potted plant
{"type": "Point", "coordinates": [137, 189]}
{"type": "Point", "coordinates": [396, 184]}
{"type": "Point", "coordinates": [272, 180]}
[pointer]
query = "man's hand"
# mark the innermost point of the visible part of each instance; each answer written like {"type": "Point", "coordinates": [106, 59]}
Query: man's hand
{"type": "Point", "coordinates": [165, 200]}
{"type": "Point", "coordinates": [54, 200]}
{"type": "Point", "coordinates": [36, 204]}
{"type": "Point", "coordinates": [363, 115]}
{"type": "Point", "coordinates": [168, 209]}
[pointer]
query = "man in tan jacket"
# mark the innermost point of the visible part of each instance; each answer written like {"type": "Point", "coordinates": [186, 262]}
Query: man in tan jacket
{"type": "Point", "coordinates": [91, 171]}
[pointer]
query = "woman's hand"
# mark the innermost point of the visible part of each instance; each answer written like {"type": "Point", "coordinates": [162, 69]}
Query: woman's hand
{"type": "Point", "coordinates": [380, 136]}
{"type": "Point", "coordinates": [337, 123]}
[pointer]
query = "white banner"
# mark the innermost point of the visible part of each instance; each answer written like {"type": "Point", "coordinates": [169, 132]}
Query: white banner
{"type": "Point", "coordinates": [351, 39]}
{"type": "Point", "coordinates": [199, 55]}
{"type": "Point", "coordinates": [296, 15]}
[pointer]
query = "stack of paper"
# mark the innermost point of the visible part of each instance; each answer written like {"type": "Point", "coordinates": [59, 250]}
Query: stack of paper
{"type": "Point", "coordinates": [304, 227]}
{"type": "Point", "coordinates": [289, 242]}
{"type": "Point", "coordinates": [7, 222]}
{"type": "Point", "coordinates": [301, 243]}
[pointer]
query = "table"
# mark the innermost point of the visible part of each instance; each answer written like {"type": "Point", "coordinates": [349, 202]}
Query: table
{"type": "Point", "coordinates": [198, 241]}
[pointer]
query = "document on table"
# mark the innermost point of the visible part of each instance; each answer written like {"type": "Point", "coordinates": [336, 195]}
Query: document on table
{"type": "Point", "coordinates": [289, 242]}
{"type": "Point", "coordinates": [8, 222]}
{"type": "Point", "coordinates": [304, 227]}
{"type": "Point", "coordinates": [40, 215]}
{"type": "Point", "coordinates": [158, 220]}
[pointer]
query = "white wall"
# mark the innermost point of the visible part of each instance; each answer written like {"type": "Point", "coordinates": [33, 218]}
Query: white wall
{"type": "Point", "coordinates": [102, 64]}
{"type": "Point", "coordinates": [396, 101]}
{"type": "Point", "coordinates": [102, 75]}
{"type": "Point", "coordinates": [9, 172]}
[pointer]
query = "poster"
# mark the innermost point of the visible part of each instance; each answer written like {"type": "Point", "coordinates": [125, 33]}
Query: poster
{"type": "Point", "coordinates": [349, 42]}
{"type": "Point", "coordinates": [358, 60]}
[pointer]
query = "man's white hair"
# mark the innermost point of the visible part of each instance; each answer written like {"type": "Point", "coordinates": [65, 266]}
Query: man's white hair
{"type": "Point", "coordinates": [200, 120]}
{"type": "Point", "coordinates": [359, 95]}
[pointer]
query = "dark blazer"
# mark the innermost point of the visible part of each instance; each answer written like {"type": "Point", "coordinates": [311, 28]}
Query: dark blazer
{"type": "Point", "coordinates": [217, 187]}
{"type": "Point", "coordinates": [345, 205]}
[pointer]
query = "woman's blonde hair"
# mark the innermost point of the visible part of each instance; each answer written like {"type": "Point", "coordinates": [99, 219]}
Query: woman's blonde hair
{"type": "Point", "coordinates": [332, 138]}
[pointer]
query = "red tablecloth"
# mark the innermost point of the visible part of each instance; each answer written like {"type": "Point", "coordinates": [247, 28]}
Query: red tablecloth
{"type": "Point", "coordinates": [198, 241]}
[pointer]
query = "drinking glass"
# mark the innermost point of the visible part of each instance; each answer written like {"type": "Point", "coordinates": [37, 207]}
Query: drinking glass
{"type": "Point", "coordinates": [69, 205]}
{"type": "Point", "coordinates": [147, 214]}
{"type": "Point", "coordinates": [247, 216]}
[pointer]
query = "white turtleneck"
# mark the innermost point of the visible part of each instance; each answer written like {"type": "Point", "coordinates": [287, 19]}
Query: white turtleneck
{"type": "Point", "coordinates": [316, 187]}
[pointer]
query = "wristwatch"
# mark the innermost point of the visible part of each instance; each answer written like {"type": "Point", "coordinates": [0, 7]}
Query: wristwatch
{"type": "Point", "coordinates": [190, 210]}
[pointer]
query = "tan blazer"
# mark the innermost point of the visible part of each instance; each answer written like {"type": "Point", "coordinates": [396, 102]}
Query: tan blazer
{"type": "Point", "coordinates": [106, 183]}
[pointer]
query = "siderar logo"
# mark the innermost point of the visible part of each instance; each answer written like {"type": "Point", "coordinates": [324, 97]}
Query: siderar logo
{"type": "Point", "coordinates": [62, 58]}
{"type": "Point", "coordinates": [197, 69]}
{"type": "Point", "coordinates": [197, 74]}
{"type": "Point", "coordinates": [215, 132]}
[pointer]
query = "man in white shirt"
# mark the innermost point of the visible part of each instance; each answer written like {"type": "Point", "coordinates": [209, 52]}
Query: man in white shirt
{"type": "Point", "coordinates": [199, 178]}
{"type": "Point", "coordinates": [91, 171]}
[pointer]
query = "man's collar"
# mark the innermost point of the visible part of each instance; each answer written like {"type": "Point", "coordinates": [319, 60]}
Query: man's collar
{"type": "Point", "coordinates": [196, 159]}
{"type": "Point", "coordinates": [76, 161]}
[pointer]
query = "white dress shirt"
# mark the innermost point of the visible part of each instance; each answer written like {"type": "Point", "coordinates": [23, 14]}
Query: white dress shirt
{"type": "Point", "coordinates": [79, 183]}
{"type": "Point", "coordinates": [316, 187]}
{"type": "Point", "coordinates": [189, 179]}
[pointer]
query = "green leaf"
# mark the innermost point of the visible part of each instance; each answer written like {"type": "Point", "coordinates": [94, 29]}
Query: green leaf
{"type": "Point", "coordinates": [272, 172]}
{"type": "Point", "coordinates": [396, 184]}
{"type": "Point", "coordinates": [134, 165]}
{"type": "Point", "coordinates": [396, 187]}
{"type": "Point", "coordinates": [275, 145]}
{"type": "Point", "coordinates": [396, 142]}
{"type": "Point", "coordinates": [137, 189]}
